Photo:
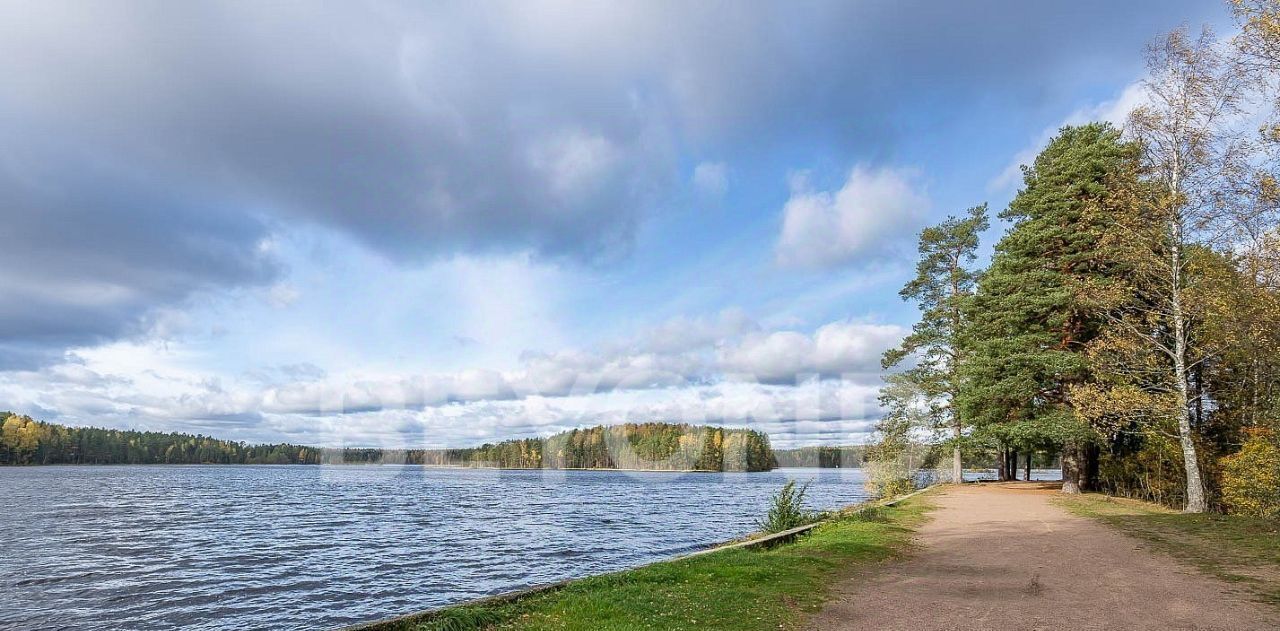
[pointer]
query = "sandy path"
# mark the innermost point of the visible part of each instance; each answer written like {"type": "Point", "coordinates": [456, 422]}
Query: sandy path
{"type": "Point", "coordinates": [1003, 556]}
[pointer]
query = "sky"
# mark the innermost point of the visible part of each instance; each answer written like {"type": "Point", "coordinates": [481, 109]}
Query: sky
{"type": "Point", "coordinates": [410, 224]}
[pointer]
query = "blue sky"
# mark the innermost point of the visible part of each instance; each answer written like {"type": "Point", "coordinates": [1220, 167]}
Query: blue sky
{"type": "Point", "coordinates": [441, 224]}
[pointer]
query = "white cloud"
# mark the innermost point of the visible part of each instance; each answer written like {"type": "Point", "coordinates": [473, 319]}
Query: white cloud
{"type": "Point", "coordinates": [845, 347]}
{"type": "Point", "coordinates": [835, 349]}
{"type": "Point", "coordinates": [281, 295]}
{"type": "Point", "coordinates": [830, 411]}
{"type": "Point", "coordinates": [772, 357]}
{"type": "Point", "coordinates": [711, 179]}
{"type": "Point", "coordinates": [867, 217]}
{"type": "Point", "coordinates": [1114, 111]}
{"type": "Point", "coordinates": [574, 163]}
{"type": "Point", "coordinates": [682, 333]}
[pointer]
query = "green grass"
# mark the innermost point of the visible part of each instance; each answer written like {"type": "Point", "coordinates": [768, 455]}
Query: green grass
{"type": "Point", "coordinates": [1243, 550]}
{"type": "Point", "coordinates": [733, 589]}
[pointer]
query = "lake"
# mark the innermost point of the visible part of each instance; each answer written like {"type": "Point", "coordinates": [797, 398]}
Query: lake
{"type": "Point", "coordinates": [315, 547]}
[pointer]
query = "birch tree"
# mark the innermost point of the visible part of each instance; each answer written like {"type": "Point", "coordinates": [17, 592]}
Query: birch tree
{"type": "Point", "coordinates": [1193, 93]}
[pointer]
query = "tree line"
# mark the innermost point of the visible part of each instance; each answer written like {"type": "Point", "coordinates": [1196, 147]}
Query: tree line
{"type": "Point", "coordinates": [25, 441]}
{"type": "Point", "coordinates": [661, 446]}
{"type": "Point", "coordinates": [656, 446]}
{"type": "Point", "coordinates": [823, 457]}
{"type": "Point", "coordinates": [1129, 317]}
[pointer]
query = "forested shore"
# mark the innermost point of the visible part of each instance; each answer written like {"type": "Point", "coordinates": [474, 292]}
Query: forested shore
{"type": "Point", "coordinates": [846, 457]}
{"type": "Point", "coordinates": [26, 441]}
{"type": "Point", "coordinates": [640, 446]}
{"type": "Point", "coordinates": [1129, 318]}
{"type": "Point", "coordinates": [654, 446]}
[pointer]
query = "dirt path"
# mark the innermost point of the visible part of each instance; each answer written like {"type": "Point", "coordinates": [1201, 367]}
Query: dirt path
{"type": "Point", "coordinates": [1004, 557]}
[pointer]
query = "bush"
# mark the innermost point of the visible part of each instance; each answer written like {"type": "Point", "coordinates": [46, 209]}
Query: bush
{"type": "Point", "coordinates": [896, 487]}
{"type": "Point", "coordinates": [787, 511]}
{"type": "Point", "coordinates": [1145, 467]}
{"type": "Point", "coordinates": [889, 478]}
{"type": "Point", "coordinates": [1251, 477]}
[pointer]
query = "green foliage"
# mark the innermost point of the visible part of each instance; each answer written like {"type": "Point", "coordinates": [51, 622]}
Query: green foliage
{"type": "Point", "coordinates": [462, 619]}
{"type": "Point", "coordinates": [943, 284]}
{"type": "Point", "coordinates": [896, 487]}
{"type": "Point", "coordinates": [923, 396]}
{"type": "Point", "coordinates": [658, 446]}
{"type": "Point", "coordinates": [1145, 467]}
{"type": "Point", "coordinates": [1029, 321]}
{"type": "Point", "coordinates": [892, 461]}
{"type": "Point", "coordinates": [1239, 320]}
{"type": "Point", "coordinates": [890, 476]}
{"type": "Point", "coordinates": [1251, 477]}
{"type": "Point", "coordinates": [786, 511]}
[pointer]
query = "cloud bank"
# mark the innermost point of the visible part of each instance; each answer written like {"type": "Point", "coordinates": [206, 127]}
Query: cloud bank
{"type": "Point", "coordinates": [720, 369]}
{"type": "Point", "coordinates": [157, 158]}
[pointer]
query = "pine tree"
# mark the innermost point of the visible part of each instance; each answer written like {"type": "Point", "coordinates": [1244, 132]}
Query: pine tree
{"type": "Point", "coordinates": [1029, 322]}
{"type": "Point", "coordinates": [943, 286]}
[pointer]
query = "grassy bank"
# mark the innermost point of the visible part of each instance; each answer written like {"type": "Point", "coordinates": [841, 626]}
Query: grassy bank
{"type": "Point", "coordinates": [731, 589]}
{"type": "Point", "coordinates": [1242, 550]}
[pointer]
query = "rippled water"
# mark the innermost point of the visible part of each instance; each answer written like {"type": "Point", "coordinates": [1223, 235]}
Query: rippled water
{"type": "Point", "coordinates": [305, 547]}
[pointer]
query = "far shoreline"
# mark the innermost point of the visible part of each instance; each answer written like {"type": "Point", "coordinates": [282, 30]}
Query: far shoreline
{"type": "Point", "coordinates": [398, 464]}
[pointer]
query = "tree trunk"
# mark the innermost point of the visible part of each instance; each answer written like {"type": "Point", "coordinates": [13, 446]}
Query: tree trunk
{"type": "Point", "coordinates": [1089, 468]}
{"type": "Point", "coordinates": [1029, 456]}
{"type": "Point", "coordinates": [1003, 473]}
{"type": "Point", "coordinates": [1195, 486]}
{"type": "Point", "coordinates": [957, 465]}
{"type": "Point", "coordinates": [1070, 469]}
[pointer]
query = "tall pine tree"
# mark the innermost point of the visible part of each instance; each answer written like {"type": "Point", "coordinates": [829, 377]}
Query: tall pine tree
{"type": "Point", "coordinates": [1029, 323]}
{"type": "Point", "coordinates": [943, 285]}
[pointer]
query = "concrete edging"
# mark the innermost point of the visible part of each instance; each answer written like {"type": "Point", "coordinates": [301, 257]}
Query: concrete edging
{"type": "Point", "coordinates": [907, 496]}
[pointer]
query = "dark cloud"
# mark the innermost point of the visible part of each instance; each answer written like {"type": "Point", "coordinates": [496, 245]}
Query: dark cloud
{"type": "Point", "coordinates": [147, 148]}
{"type": "Point", "coordinates": [417, 133]}
{"type": "Point", "coordinates": [91, 248]}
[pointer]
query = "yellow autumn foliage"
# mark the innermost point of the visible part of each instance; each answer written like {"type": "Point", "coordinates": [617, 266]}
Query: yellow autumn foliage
{"type": "Point", "coordinates": [1251, 477]}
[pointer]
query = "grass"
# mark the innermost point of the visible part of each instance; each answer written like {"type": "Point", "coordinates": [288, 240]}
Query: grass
{"type": "Point", "coordinates": [1243, 550]}
{"type": "Point", "coordinates": [737, 589]}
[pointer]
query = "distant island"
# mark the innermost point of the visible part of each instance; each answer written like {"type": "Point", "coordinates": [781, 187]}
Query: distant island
{"type": "Point", "coordinates": [844, 457]}
{"type": "Point", "coordinates": [649, 446]}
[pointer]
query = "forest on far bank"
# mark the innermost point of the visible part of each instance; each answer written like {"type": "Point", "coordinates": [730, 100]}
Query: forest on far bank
{"type": "Point", "coordinates": [823, 457]}
{"type": "Point", "coordinates": [659, 446]}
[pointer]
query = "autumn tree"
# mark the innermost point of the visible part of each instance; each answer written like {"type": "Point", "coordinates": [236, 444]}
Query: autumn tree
{"type": "Point", "coordinates": [1240, 332]}
{"type": "Point", "coordinates": [1192, 93]}
{"type": "Point", "coordinates": [1252, 205]}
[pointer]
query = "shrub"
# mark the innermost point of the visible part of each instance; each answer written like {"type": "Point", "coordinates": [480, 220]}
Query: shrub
{"type": "Point", "coordinates": [1146, 467]}
{"type": "Point", "coordinates": [896, 487]}
{"type": "Point", "coordinates": [787, 510]}
{"type": "Point", "coordinates": [887, 478]}
{"type": "Point", "coordinates": [1251, 477]}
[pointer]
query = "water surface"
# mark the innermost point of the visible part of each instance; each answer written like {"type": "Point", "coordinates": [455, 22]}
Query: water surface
{"type": "Point", "coordinates": [315, 547]}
